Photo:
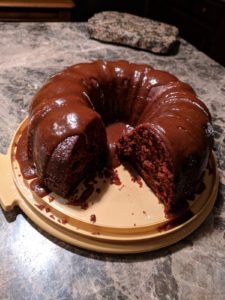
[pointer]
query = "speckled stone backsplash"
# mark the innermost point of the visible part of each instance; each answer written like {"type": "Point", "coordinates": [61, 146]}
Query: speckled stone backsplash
{"type": "Point", "coordinates": [34, 265]}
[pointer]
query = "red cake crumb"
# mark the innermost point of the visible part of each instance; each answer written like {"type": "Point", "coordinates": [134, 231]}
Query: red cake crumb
{"type": "Point", "coordinates": [51, 198]}
{"type": "Point", "coordinates": [133, 174]}
{"type": "Point", "coordinates": [47, 209]}
{"type": "Point", "coordinates": [51, 216]}
{"type": "Point", "coordinates": [114, 178]}
{"type": "Point", "coordinates": [40, 206]}
{"type": "Point", "coordinates": [93, 218]}
{"type": "Point", "coordinates": [84, 205]}
{"type": "Point", "coordinates": [62, 221]}
{"type": "Point", "coordinates": [137, 179]}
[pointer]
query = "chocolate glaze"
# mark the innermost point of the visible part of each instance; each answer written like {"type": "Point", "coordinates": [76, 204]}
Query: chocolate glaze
{"type": "Point", "coordinates": [114, 132]}
{"type": "Point", "coordinates": [82, 99]}
{"type": "Point", "coordinates": [39, 189]}
{"type": "Point", "coordinates": [27, 167]}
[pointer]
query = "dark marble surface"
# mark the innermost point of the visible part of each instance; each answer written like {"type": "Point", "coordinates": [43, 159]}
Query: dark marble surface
{"type": "Point", "coordinates": [34, 265]}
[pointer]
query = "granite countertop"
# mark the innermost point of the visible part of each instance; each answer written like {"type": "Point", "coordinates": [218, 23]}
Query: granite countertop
{"type": "Point", "coordinates": [34, 265]}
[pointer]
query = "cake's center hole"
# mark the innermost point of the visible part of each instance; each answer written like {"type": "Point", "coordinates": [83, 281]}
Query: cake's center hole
{"type": "Point", "coordinates": [114, 132]}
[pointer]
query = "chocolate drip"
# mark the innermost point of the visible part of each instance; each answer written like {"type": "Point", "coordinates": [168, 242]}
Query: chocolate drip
{"type": "Point", "coordinates": [27, 167]}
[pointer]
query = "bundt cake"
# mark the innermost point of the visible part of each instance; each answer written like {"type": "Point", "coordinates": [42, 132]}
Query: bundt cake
{"type": "Point", "coordinates": [156, 122]}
